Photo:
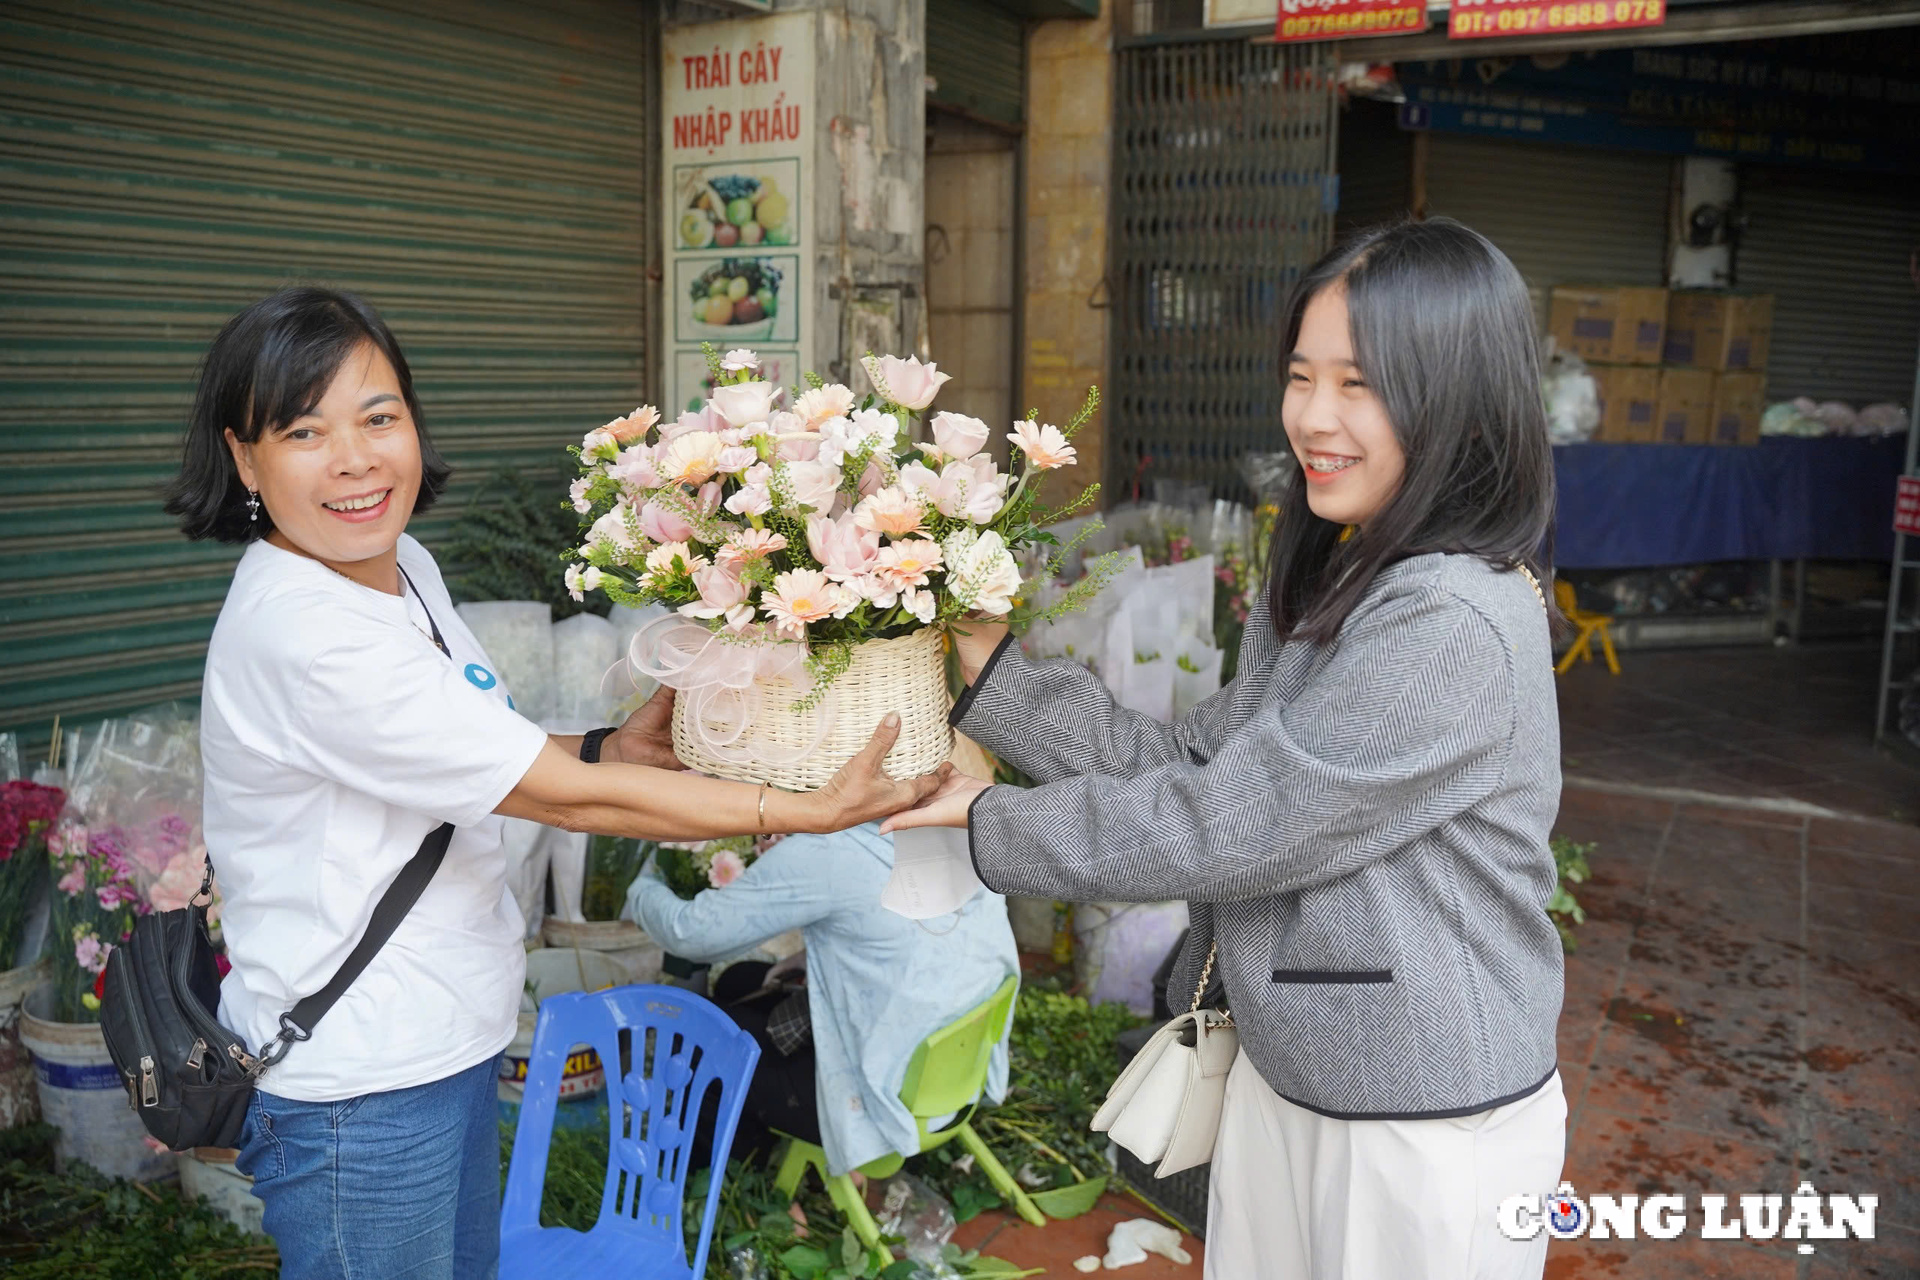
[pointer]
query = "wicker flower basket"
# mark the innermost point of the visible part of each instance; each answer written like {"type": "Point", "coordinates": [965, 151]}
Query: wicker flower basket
{"type": "Point", "coordinates": [907, 675]}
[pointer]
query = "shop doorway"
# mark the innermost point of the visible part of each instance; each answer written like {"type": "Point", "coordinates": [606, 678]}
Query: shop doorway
{"type": "Point", "coordinates": [972, 261]}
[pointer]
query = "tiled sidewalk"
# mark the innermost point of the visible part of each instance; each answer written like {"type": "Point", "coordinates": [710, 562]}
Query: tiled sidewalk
{"type": "Point", "coordinates": [1788, 723]}
{"type": "Point", "coordinates": [1743, 1013]}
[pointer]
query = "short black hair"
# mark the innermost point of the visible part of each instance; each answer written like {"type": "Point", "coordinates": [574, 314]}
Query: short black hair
{"type": "Point", "coordinates": [269, 366]}
{"type": "Point", "coordinates": [1443, 330]}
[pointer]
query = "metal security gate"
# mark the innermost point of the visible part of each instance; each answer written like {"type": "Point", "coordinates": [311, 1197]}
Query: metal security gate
{"type": "Point", "coordinates": [478, 169]}
{"type": "Point", "coordinates": [1224, 191]}
{"type": "Point", "coordinates": [1834, 251]}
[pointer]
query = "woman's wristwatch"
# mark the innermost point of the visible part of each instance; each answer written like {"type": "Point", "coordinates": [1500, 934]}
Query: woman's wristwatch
{"type": "Point", "coordinates": [590, 743]}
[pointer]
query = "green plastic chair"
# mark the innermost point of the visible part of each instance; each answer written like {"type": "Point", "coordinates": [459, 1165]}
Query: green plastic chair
{"type": "Point", "coordinates": [945, 1077]}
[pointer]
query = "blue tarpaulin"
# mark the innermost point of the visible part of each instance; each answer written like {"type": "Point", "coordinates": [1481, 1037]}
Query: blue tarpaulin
{"type": "Point", "coordinates": [1636, 506]}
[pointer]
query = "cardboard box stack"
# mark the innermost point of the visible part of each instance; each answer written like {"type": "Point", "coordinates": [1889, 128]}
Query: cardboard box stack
{"type": "Point", "coordinates": [1618, 325]}
{"type": "Point", "coordinates": [1620, 333]}
{"type": "Point", "coordinates": [1724, 336]}
{"type": "Point", "coordinates": [1680, 367]}
{"type": "Point", "coordinates": [1685, 415]}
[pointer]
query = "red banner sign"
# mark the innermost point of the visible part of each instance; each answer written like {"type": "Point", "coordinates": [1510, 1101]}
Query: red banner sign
{"type": "Point", "coordinates": [1906, 506]}
{"type": "Point", "coordinates": [1345, 19]}
{"type": "Point", "coordinates": [1469, 19]}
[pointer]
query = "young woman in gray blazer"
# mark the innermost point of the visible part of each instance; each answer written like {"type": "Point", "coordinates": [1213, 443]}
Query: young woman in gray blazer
{"type": "Point", "coordinates": [1360, 819]}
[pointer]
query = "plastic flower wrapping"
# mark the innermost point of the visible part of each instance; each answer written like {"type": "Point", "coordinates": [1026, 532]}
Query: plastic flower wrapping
{"type": "Point", "coordinates": [127, 844]}
{"type": "Point", "coordinates": [818, 517]}
{"type": "Point", "coordinates": [27, 814]}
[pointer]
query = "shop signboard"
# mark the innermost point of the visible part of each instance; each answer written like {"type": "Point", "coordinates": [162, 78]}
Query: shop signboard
{"type": "Point", "coordinates": [737, 121]}
{"type": "Point", "coordinates": [1471, 19]}
{"type": "Point", "coordinates": [1906, 506]}
{"type": "Point", "coordinates": [1302, 20]}
{"type": "Point", "coordinates": [1294, 21]}
{"type": "Point", "coordinates": [1717, 100]}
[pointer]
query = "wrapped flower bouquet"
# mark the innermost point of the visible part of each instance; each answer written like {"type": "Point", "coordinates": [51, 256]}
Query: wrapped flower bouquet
{"type": "Point", "coordinates": [811, 546]}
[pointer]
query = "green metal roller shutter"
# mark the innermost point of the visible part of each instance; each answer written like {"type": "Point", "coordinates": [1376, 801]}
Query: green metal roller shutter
{"type": "Point", "coordinates": [478, 170]}
{"type": "Point", "coordinates": [976, 56]}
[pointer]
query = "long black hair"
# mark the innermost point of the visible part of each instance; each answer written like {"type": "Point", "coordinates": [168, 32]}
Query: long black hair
{"type": "Point", "coordinates": [1443, 332]}
{"type": "Point", "coordinates": [270, 365]}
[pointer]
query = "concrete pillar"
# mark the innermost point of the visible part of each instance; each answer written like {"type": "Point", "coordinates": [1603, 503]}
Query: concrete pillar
{"type": "Point", "coordinates": [856, 71]}
{"type": "Point", "coordinates": [1069, 161]}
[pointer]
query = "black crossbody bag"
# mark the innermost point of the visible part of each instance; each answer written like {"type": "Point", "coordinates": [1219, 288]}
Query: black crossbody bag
{"type": "Point", "coordinates": [188, 1077]}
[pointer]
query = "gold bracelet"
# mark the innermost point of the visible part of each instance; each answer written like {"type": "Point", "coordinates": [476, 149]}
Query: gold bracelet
{"type": "Point", "coordinates": [762, 827]}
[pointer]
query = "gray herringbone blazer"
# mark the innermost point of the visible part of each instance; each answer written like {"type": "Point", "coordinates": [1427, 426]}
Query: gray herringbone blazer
{"type": "Point", "coordinates": [1362, 826]}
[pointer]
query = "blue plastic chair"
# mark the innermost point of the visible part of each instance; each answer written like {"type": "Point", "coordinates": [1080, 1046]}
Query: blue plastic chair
{"type": "Point", "coordinates": [663, 1049]}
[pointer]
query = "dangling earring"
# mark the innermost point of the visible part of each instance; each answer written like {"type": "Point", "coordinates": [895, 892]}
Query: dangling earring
{"type": "Point", "coordinates": [253, 505]}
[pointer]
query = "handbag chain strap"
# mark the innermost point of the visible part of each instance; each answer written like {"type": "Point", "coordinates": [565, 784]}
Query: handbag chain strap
{"type": "Point", "coordinates": [1206, 973]}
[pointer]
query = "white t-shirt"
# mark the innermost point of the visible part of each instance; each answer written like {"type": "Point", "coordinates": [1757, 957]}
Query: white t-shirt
{"type": "Point", "coordinates": [335, 736]}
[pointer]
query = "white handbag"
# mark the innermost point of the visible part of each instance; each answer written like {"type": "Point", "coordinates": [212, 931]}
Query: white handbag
{"type": "Point", "coordinates": [1165, 1107]}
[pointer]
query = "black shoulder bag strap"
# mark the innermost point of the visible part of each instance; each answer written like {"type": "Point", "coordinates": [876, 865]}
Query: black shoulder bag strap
{"type": "Point", "coordinates": [297, 1024]}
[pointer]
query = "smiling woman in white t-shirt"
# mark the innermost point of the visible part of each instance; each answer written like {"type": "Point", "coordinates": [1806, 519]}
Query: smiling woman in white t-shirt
{"type": "Point", "coordinates": [347, 713]}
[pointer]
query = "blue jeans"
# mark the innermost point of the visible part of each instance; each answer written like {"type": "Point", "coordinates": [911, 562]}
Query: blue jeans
{"type": "Point", "coordinates": [402, 1185]}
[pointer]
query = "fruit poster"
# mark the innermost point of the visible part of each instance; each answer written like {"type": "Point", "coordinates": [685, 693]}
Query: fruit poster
{"type": "Point", "coordinates": [737, 112]}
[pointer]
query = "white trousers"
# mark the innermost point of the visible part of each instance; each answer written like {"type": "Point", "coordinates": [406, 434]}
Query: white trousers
{"type": "Point", "coordinates": [1298, 1196]}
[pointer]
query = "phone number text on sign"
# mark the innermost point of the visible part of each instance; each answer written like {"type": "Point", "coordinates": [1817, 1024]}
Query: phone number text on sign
{"type": "Point", "coordinates": [1469, 18]}
{"type": "Point", "coordinates": [1343, 19]}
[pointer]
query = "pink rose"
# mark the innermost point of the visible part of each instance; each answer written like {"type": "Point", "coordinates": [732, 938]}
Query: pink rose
{"type": "Point", "coordinates": [907, 383]}
{"type": "Point", "coordinates": [722, 595]}
{"type": "Point", "coordinates": [744, 402]}
{"type": "Point", "coordinates": [844, 549]}
{"type": "Point", "coordinates": [660, 524]}
{"type": "Point", "coordinates": [814, 484]}
{"type": "Point", "coordinates": [959, 436]}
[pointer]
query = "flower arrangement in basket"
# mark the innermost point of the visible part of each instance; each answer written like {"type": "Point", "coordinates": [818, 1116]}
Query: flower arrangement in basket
{"type": "Point", "coordinates": [811, 547]}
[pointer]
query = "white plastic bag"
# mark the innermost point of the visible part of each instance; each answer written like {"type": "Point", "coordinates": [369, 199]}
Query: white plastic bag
{"type": "Point", "coordinates": [585, 650]}
{"type": "Point", "coordinates": [518, 638]}
{"type": "Point", "coordinates": [524, 844]}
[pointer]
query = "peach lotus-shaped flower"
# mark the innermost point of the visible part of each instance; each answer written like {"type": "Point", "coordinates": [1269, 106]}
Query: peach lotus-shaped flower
{"type": "Point", "coordinates": [818, 404]}
{"type": "Point", "coordinates": [634, 426]}
{"type": "Point", "coordinates": [1046, 447]}
{"type": "Point", "coordinates": [802, 596]}
{"type": "Point", "coordinates": [693, 458]}
{"type": "Point", "coordinates": [748, 546]}
{"type": "Point", "coordinates": [907, 383]}
{"type": "Point", "coordinates": [893, 511]}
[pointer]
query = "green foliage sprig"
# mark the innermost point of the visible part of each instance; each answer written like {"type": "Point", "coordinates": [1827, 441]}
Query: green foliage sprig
{"type": "Point", "coordinates": [505, 544]}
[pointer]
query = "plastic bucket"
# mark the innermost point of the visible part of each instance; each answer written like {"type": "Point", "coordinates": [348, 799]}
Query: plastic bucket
{"type": "Point", "coordinates": [550, 971]}
{"type": "Point", "coordinates": [621, 941]}
{"type": "Point", "coordinates": [81, 1092]}
{"type": "Point", "coordinates": [208, 1172]}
